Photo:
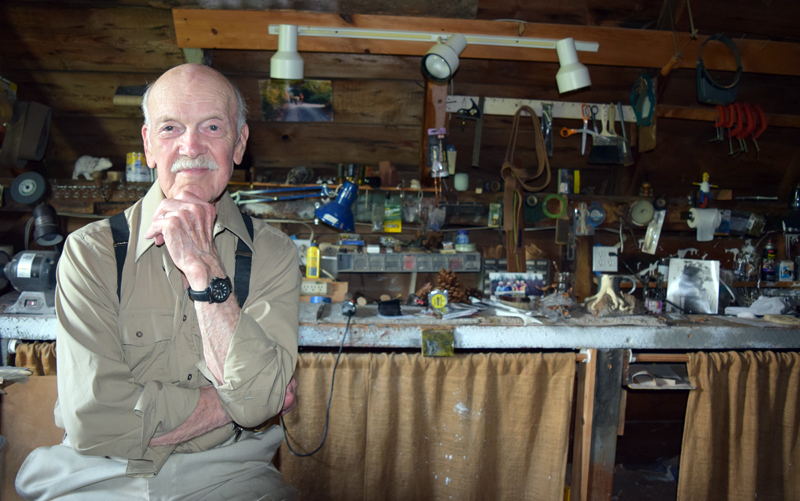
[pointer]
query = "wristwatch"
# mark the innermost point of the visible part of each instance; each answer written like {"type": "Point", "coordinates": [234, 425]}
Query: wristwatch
{"type": "Point", "coordinates": [217, 292]}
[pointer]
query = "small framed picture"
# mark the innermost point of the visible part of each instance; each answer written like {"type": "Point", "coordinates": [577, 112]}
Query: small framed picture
{"type": "Point", "coordinates": [517, 284]}
{"type": "Point", "coordinates": [693, 286]}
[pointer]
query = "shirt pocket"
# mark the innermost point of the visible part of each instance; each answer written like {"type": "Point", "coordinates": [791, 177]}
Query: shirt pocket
{"type": "Point", "coordinates": [146, 339]}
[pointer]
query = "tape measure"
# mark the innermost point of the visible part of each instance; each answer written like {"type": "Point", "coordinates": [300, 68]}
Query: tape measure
{"type": "Point", "coordinates": [437, 299]}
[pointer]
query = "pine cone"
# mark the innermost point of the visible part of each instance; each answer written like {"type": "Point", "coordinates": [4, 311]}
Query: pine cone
{"type": "Point", "coordinates": [455, 291]}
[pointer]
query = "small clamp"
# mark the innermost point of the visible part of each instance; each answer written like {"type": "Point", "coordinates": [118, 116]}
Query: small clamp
{"type": "Point", "coordinates": [735, 117]}
{"type": "Point", "coordinates": [761, 126]}
{"type": "Point", "coordinates": [719, 124]}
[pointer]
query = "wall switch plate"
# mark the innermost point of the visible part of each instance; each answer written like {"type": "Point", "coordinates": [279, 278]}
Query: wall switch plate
{"type": "Point", "coordinates": [602, 260]}
{"type": "Point", "coordinates": [313, 288]}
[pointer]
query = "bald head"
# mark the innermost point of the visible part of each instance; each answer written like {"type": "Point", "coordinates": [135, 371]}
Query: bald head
{"type": "Point", "coordinates": [186, 73]}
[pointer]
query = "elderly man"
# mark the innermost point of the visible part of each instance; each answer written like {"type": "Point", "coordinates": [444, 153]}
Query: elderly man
{"type": "Point", "coordinates": [160, 370]}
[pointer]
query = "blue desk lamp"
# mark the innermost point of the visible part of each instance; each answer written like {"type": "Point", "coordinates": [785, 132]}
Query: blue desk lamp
{"type": "Point", "coordinates": [338, 213]}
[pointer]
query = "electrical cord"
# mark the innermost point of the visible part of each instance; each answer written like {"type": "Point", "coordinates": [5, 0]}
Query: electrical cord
{"type": "Point", "coordinates": [330, 397]}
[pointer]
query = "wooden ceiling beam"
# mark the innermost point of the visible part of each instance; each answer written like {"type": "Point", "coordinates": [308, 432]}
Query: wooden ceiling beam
{"type": "Point", "coordinates": [229, 29]}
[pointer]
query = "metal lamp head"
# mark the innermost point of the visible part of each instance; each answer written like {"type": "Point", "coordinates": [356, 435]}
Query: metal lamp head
{"type": "Point", "coordinates": [286, 64]}
{"type": "Point", "coordinates": [572, 75]}
{"type": "Point", "coordinates": [338, 213]}
{"type": "Point", "coordinates": [441, 61]}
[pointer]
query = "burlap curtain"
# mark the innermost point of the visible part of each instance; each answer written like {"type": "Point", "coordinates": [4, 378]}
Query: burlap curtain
{"type": "Point", "coordinates": [40, 357]}
{"type": "Point", "coordinates": [742, 435]}
{"type": "Point", "coordinates": [403, 427]}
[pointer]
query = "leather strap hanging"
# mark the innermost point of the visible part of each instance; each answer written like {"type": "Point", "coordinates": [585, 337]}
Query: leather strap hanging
{"type": "Point", "coordinates": [516, 179]}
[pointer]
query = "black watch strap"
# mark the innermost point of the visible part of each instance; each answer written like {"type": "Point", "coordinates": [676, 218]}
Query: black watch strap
{"type": "Point", "coordinates": [218, 291]}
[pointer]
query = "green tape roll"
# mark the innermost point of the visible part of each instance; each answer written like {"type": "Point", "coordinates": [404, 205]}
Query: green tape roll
{"type": "Point", "coordinates": [561, 212]}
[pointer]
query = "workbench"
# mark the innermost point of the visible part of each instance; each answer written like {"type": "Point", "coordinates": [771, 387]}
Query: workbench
{"type": "Point", "coordinates": [603, 344]}
{"type": "Point", "coordinates": [485, 331]}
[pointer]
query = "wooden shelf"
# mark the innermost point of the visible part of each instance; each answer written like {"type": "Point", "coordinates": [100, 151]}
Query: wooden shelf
{"type": "Point", "coordinates": [768, 285]}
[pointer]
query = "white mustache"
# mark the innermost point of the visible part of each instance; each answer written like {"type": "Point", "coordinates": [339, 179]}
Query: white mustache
{"type": "Point", "coordinates": [183, 163]}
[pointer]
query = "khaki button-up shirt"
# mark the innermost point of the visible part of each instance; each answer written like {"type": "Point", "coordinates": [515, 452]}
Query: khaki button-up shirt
{"type": "Point", "coordinates": [131, 370]}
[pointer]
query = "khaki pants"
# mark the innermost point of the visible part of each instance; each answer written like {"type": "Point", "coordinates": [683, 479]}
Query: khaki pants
{"type": "Point", "coordinates": [232, 471]}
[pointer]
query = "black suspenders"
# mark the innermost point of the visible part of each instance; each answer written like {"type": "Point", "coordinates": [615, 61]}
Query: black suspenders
{"type": "Point", "coordinates": [244, 257]}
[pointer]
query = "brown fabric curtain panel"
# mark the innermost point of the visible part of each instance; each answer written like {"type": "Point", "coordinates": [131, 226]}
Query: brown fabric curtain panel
{"type": "Point", "coordinates": [741, 440]}
{"type": "Point", "coordinates": [40, 357]}
{"type": "Point", "coordinates": [477, 426]}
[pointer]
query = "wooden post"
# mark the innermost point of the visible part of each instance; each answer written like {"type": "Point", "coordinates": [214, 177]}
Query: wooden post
{"type": "Point", "coordinates": [435, 117]}
{"type": "Point", "coordinates": [608, 389]}
{"type": "Point", "coordinates": [583, 270]}
{"type": "Point", "coordinates": [582, 436]}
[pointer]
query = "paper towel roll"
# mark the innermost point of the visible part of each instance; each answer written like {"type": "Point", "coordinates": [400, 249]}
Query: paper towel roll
{"type": "Point", "coordinates": [706, 221]}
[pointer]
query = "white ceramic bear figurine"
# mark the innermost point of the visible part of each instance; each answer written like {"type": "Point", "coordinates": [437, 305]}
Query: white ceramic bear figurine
{"type": "Point", "coordinates": [86, 165]}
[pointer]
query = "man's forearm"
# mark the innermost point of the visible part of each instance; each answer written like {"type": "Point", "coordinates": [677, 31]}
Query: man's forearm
{"type": "Point", "coordinates": [208, 415]}
{"type": "Point", "coordinates": [217, 323]}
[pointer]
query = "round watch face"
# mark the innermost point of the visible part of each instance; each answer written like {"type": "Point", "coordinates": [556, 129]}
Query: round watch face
{"type": "Point", "coordinates": [219, 290]}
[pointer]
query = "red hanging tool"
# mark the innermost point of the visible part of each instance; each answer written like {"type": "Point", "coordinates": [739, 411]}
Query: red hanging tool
{"type": "Point", "coordinates": [719, 124]}
{"type": "Point", "coordinates": [747, 126]}
{"type": "Point", "coordinates": [735, 117]}
{"type": "Point", "coordinates": [761, 121]}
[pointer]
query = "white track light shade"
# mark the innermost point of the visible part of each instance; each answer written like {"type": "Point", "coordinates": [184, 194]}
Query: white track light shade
{"type": "Point", "coordinates": [572, 75]}
{"type": "Point", "coordinates": [286, 64]}
{"type": "Point", "coordinates": [441, 61]}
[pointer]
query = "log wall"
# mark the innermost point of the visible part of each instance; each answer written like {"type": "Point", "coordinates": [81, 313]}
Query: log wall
{"type": "Point", "coordinates": [73, 55]}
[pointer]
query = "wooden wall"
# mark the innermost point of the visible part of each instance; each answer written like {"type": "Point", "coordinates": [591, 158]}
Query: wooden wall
{"type": "Point", "coordinates": [72, 55]}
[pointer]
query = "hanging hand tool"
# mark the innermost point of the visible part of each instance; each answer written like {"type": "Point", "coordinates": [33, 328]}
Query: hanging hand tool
{"type": "Point", "coordinates": [736, 117]}
{"type": "Point", "coordinates": [761, 126]}
{"type": "Point", "coordinates": [719, 124]}
{"type": "Point", "coordinates": [475, 112]}
{"type": "Point", "coordinates": [606, 148]}
{"type": "Point", "coordinates": [471, 113]}
{"type": "Point", "coordinates": [749, 126]}
{"type": "Point", "coordinates": [585, 114]}
{"type": "Point", "coordinates": [627, 156]}
{"type": "Point", "coordinates": [692, 36]}
{"type": "Point", "coordinates": [566, 132]}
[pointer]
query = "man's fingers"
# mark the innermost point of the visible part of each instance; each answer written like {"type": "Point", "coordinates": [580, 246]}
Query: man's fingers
{"type": "Point", "coordinates": [290, 400]}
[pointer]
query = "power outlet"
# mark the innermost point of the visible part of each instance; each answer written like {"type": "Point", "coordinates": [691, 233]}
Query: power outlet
{"type": "Point", "coordinates": [602, 260]}
{"type": "Point", "coordinates": [314, 288]}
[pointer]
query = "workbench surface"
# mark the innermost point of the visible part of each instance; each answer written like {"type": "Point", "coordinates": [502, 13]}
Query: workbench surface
{"type": "Point", "coordinates": [486, 331]}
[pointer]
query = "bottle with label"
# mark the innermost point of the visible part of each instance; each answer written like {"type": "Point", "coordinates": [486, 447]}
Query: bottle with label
{"type": "Point", "coordinates": [652, 300]}
{"type": "Point", "coordinates": [392, 216]}
{"type": "Point", "coordinates": [462, 238]}
{"type": "Point", "coordinates": [769, 263]}
{"type": "Point", "coordinates": [312, 261]}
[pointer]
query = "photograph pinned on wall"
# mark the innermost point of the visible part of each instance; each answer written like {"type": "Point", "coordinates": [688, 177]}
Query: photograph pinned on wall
{"type": "Point", "coordinates": [296, 101]}
{"type": "Point", "coordinates": [516, 284]}
{"type": "Point", "coordinates": [693, 286]}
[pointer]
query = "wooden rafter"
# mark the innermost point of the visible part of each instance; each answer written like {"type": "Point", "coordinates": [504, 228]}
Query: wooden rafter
{"type": "Point", "coordinates": [228, 29]}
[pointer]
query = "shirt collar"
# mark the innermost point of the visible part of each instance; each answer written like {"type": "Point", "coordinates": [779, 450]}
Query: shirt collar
{"type": "Point", "coordinates": [228, 218]}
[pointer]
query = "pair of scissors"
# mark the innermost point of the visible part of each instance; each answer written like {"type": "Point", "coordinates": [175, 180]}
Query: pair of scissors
{"type": "Point", "coordinates": [586, 113]}
{"type": "Point", "coordinates": [566, 132]}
